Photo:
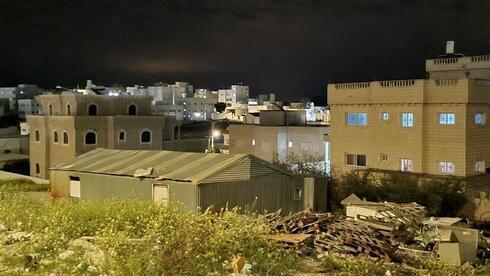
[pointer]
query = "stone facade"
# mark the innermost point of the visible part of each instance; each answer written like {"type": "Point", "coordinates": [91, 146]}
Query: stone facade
{"type": "Point", "coordinates": [70, 125]}
{"type": "Point", "coordinates": [435, 126]}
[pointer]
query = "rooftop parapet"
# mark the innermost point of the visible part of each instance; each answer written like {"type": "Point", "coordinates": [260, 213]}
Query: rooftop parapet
{"type": "Point", "coordinates": [457, 63]}
{"type": "Point", "coordinates": [352, 85]}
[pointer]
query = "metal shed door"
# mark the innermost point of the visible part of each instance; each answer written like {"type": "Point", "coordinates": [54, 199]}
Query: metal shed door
{"type": "Point", "coordinates": [160, 194]}
{"type": "Point", "coordinates": [75, 188]}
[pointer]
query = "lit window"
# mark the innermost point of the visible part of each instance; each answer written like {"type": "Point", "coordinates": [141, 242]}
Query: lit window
{"type": "Point", "coordinates": [297, 193]}
{"type": "Point", "coordinates": [480, 118]}
{"type": "Point", "coordinates": [253, 142]}
{"type": "Point", "coordinates": [145, 137]}
{"type": "Point", "coordinates": [356, 119]}
{"type": "Point", "coordinates": [383, 157]}
{"type": "Point", "coordinates": [385, 116]}
{"type": "Point", "coordinates": [55, 137]}
{"type": "Point", "coordinates": [90, 138]}
{"type": "Point", "coordinates": [406, 165]}
{"type": "Point", "coordinates": [65, 138]}
{"type": "Point", "coordinates": [37, 136]}
{"type": "Point", "coordinates": [407, 119]}
{"type": "Point", "coordinates": [480, 166]}
{"type": "Point", "coordinates": [356, 160]}
{"type": "Point", "coordinates": [290, 144]}
{"type": "Point", "coordinates": [447, 118]}
{"type": "Point", "coordinates": [445, 167]}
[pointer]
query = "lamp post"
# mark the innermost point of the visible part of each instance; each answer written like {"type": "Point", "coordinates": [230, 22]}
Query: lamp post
{"type": "Point", "coordinates": [214, 134]}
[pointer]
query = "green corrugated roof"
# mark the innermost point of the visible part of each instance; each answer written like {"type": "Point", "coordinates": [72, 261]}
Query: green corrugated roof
{"type": "Point", "coordinates": [173, 165]}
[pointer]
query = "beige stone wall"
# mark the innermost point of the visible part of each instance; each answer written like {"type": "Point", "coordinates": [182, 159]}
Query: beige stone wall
{"type": "Point", "coordinates": [427, 142]}
{"type": "Point", "coordinates": [48, 153]}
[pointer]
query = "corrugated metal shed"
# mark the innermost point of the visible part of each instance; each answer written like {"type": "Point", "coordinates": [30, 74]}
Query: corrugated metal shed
{"type": "Point", "coordinates": [166, 165]}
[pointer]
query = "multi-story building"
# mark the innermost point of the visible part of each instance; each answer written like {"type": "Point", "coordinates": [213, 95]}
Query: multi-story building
{"type": "Point", "coordinates": [236, 95]}
{"type": "Point", "coordinates": [281, 135]}
{"type": "Point", "coordinates": [72, 124]}
{"type": "Point", "coordinates": [170, 93]}
{"type": "Point", "coordinates": [206, 94]}
{"type": "Point", "coordinates": [8, 93]}
{"type": "Point", "coordinates": [435, 126]}
{"type": "Point", "coordinates": [198, 109]}
{"type": "Point", "coordinates": [27, 107]}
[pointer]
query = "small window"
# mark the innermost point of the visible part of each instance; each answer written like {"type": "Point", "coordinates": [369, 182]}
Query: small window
{"type": "Point", "coordinates": [480, 166]}
{"type": "Point", "coordinates": [406, 165]}
{"type": "Point", "coordinates": [92, 110]}
{"type": "Point", "coordinates": [385, 116]}
{"type": "Point", "coordinates": [7, 151]}
{"type": "Point", "coordinates": [90, 138]}
{"type": "Point", "coordinates": [383, 157]}
{"type": "Point", "coordinates": [65, 138]}
{"type": "Point", "coordinates": [290, 144]}
{"type": "Point", "coordinates": [55, 137]}
{"type": "Point", "coordinates": [447, 118]}
{"type": "Point", "coordinates": [445, 167]}
{"type": "Point", "coordinates": [356, 160]}
{"type": "Point", "coordinates": [50, 110]}
{"type": "Point", "coordinates": [356, 119]}
{"type": "Point", "coordinates": [37, 136]}
{"type": "Point", "coordinates": [407, 119]}
{"type": "Point", "coordinates": [253, 142]}
{"type": "Point", "coordinates": [122, 136]}
{"type": "Point", "coordinates": [297, 193]}
{"type": "Point", "coordinates": [68, 110]}
{"type": "Point", "coordinates": [38, 168]}
{"type": "Point", "coordinates": [132, 110]}
{"type": "Point", "coordinates": [146, 136]}
{"type": "Point", "coordinates": [480, 118]}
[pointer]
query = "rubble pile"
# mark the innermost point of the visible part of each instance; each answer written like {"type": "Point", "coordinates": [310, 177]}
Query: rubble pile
{"type": "Point", "coordinates": [329, 234]}
{"type": "Point", "coordinates": [376, 230]}
{"type": "Point", "coordinates": [376, 237]}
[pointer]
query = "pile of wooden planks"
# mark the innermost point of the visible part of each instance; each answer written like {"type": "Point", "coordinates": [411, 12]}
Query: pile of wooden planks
{"type": "Point", "coordinates": [353, 238]}
{"type": "Point", "coordinates": [305, 222]}
{"type": "Point", "coordinates": [372, 238]}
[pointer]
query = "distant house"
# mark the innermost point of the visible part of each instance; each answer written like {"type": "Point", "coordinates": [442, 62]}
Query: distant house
{"type": "Point", "coordinates": [71, 124]}
{"type": "Point", "coordinates": [197, 180]}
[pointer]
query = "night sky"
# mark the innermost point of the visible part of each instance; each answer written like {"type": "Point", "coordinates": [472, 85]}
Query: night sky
{"type": "Point", "coordinates": [292, 48]}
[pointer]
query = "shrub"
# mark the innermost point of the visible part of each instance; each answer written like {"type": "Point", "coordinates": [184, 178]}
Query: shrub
{"type": "Point", "coordinates": [441, 197]}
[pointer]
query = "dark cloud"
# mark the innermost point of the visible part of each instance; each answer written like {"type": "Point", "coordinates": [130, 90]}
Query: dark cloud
{"type": "Point", "coordinates": [290, 47]}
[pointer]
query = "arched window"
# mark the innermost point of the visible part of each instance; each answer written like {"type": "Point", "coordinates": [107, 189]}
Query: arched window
{"type": "Point", "coordinates": [90, 138]}
{"type": "Point", "coordinates": [132, 109]}
{"type": "Point", "coordinates": [68, 110]}
{"type": "Point", "coordinates": [65, 138]}
{"type": "Point", "coordinates": [38, 168]}
{"type": "Point", "coordinates": [145, 137]}
{"type": "Point", "coordinates": [50, 110]}
{"type": "Point", "coordinates": [92, 110]}
{"type": "Point", "coordinates": [37, 136]}
{"type": "Point", "coordinates": [122, 136]}
{"type": "Point", "coordinates": [55, 136]}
